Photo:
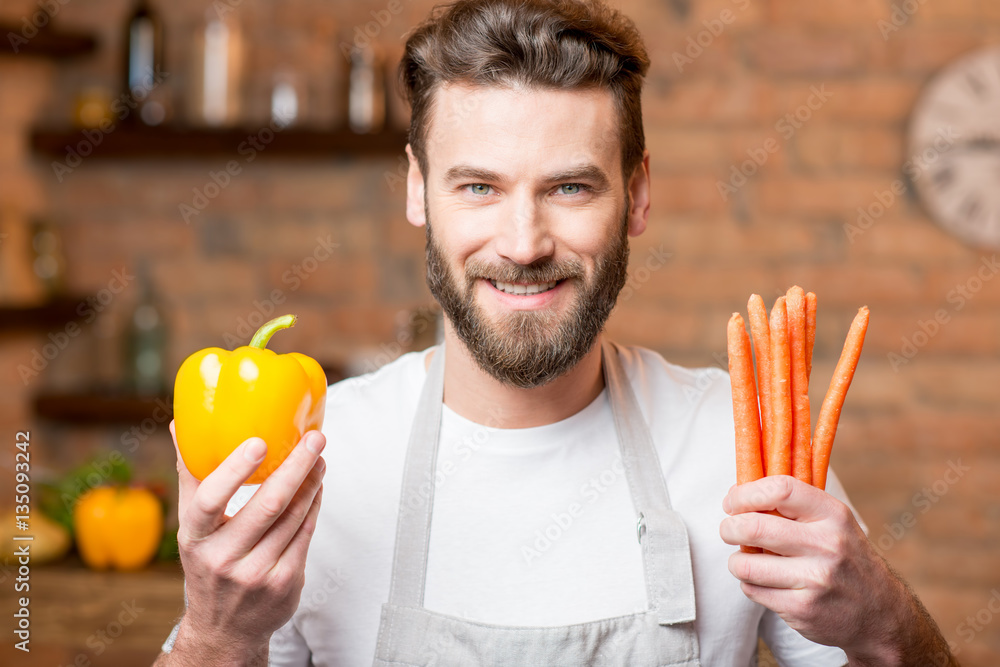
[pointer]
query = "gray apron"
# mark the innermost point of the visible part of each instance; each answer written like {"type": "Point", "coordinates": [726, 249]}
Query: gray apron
{"type": "Point", "coordinates": [661, 635]}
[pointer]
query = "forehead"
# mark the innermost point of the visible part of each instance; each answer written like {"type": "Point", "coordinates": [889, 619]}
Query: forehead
{"type": "Point", "coordinates": [522, 131]}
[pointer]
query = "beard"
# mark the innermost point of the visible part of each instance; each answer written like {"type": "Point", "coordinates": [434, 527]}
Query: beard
{"type": "Point", "coordinates": [527, 349]}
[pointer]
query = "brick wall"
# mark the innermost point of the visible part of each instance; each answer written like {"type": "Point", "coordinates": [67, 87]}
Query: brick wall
{"type": "Point", "coordinates": [708, 109]}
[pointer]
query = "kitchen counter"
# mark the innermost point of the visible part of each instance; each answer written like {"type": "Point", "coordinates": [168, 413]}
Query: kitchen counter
{"type": "Point", "coordinates": [88, 619]}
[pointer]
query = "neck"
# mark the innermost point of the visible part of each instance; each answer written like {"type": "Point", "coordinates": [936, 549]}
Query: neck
{"type": "Point", "coordinates": [479, 397]}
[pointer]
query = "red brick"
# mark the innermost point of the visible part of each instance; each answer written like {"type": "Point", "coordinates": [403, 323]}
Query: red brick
{"type": "Point", "coordinates": [783, 51]}
{"type": "Point", "coordinates": [818, 196]}
{"type": "Point", "coordinates": [892, 239]}
{"type": "Point", "coordinates": [853, 13]}
{"type": "Point", "coordinates": [927, 50]}
{"type": "Point", "coordinates": [826, 146]}
{"type": "Point", "coordinates": [674, 150]}
{"type": "Point", "coordinates": [868, 100]}
{"type": "Point", "coordinates": [958, 382]}
{"type": "Point", "coordinates": [961, 288]}
{"type": "Point", "coordinates": [686, 194]}
{"type": "Point", "coordinates": [739, 99]}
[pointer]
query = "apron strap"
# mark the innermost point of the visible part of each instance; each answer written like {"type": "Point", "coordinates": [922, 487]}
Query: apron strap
{"type": "Point", "coordinates": [409, 561]}
{"type": "Point", "coordinates": [662, 533]}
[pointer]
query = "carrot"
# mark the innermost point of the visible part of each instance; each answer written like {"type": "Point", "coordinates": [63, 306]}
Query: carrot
{"type": "Point", "coordinates": [749, 466]}
{"type": "Point", "coordinates": [777, 458]}
{"type": "Point", "coordinates": [810, 331]}
{"type": "Point", "coordinates": [761, 333]}
{"type": "Point", "coordinates": [795, 301]}
{"type": "Point", "coordinates": [829, 413]}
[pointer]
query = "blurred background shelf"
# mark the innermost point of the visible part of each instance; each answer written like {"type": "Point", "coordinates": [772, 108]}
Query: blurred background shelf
{"type": "Point", "coordinates": [101, 406]}
{"type": "Point", "coordinates": [47, 43]}
{"type": "Point", "coordinates": [57, 312]}
{"type": "Point", "coordinates": [140, 142]}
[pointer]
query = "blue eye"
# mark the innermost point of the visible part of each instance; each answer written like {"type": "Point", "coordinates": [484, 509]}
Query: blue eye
{"type": "Point", "coordinates": [570, 188]}
{"type": "Point", "coordinates": [480, 188]}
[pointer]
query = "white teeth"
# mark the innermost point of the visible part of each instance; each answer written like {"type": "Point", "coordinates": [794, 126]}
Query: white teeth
{"type": "Point", "coordinates": [511, 288]}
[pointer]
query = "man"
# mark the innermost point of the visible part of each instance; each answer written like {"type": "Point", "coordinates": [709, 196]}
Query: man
{"type": "Point", "coordinates": [564, 505]}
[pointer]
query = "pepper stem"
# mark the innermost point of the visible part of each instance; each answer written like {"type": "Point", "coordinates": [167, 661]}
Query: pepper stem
{"type": "Point", "coordinates": [268, 329]}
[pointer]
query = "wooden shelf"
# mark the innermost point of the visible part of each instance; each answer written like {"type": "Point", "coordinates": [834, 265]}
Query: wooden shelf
{"type": "Point", "coordinates": [132, 141]}
{"type": "Point", "coordinates": [114, 405]}
{"type": "Point", "coordinates": [57, 312]}
{"type": "Point", "coordinates": [47, 42]}
{"type": "Point", "coordinates": [102, 406]}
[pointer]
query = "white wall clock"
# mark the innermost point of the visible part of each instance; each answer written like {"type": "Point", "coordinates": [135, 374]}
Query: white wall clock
{"type": "Point", "coordinates": [954, 139]}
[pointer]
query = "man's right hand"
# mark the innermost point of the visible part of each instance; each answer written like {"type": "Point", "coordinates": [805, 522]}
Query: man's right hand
{"type": "Point", "coordinates": [244, 574]}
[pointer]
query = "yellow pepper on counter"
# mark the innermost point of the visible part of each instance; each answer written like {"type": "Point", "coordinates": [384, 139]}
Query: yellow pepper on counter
{"type": "Point", "coordinates": [119, 527]}
{"type": "Point", "coordinates": [221, 398]}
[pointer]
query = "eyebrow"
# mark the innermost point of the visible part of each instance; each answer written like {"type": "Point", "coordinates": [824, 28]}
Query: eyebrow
{"type": "Point", "coordinates": [588, 172]}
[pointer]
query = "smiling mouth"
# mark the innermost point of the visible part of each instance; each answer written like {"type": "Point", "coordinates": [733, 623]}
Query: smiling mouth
{"type": "Point", "coordinates": [524, 290]}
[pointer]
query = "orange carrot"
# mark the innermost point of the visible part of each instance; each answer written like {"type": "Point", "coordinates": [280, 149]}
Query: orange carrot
{"type": "Point", "coordinates": [778, 457]}
{"type": "Point", "coordinates": [810, 331]}
{"type": "Point", "coordinates": [795, 301]}
{"type": "Point", "coordinates": [761, 333]}
{"type": "Point", "coordinates": [749, 466]}
{"type": "Point", "coordinates": [829, 413]}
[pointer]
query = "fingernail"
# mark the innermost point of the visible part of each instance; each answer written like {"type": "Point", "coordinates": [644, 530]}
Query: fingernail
{"type": "Point", "coordinates": [726, 506]}
{"type": "Point", "coordinates": [315, 443]}
{"type": "Point", "coordinates": [254, 450]}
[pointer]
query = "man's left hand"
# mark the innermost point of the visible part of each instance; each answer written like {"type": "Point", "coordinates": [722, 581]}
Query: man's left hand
{"type": "Point", "coordinates": [822, 575]}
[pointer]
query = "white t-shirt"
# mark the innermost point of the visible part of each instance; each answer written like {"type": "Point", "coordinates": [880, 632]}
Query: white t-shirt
{"type": "Point", "coordinates": [531, 526]}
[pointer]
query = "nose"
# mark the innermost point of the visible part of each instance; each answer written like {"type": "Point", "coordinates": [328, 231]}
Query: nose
{"type": "Point", "coordinates": [524, 236]}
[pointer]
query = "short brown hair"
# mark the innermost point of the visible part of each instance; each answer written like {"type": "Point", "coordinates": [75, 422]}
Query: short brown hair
{"type": "Point", "coordinates": [560, 44]}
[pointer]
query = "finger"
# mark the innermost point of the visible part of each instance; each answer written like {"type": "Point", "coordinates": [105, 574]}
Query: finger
{"type": "Point", "coordinates": [206, 510]}
{"type": "Point", "coordinates": [271, 499]}
{"type": "Point", "coordinates": [774, 533]}
{"type": "Point", "coordinates": [788, 496]}
{"type": "Point", "coordinates": [777, 600]}
{"type": "Point", "coordinates": [766, 570]}
{"type": "Point", "coordinates": [294, 555]}
{"type": "Point", "coordinates": [267, 551]}
{"type": "Point", "coordinates": [187, 483]}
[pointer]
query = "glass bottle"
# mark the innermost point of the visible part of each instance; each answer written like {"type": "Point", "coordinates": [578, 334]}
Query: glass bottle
{"type": "Point", "coordinates": [366, 91]}
{"type": "Point", "coordinates": [144, 62]}
{"type": "Point", "coordinates": [146, 340]}
{"type": "Point", "coordinates": [217, 69]}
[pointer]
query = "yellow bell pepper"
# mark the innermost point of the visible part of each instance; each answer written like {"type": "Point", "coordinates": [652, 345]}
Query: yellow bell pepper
{"type": "Point", "coordinates": [119, 527]}
{"type": "Point", "coordinates": [221, 398]}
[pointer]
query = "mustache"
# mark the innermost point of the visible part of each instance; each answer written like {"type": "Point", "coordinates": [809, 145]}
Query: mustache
{"type": "Point", "coordinates": [545, 271]}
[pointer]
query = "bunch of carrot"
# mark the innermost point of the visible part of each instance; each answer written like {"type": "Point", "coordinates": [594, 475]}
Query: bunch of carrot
{"type": "Point", "coordinates": [771, 405]}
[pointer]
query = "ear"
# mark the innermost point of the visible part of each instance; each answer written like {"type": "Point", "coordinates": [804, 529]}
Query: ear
{"type": "Point", "coordinates": [414, 192]}
{"type": "Point", "coordinates": [638, 188]}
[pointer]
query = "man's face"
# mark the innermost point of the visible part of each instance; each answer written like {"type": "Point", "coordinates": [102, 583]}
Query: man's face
{"type": "Point", "coordinates": [527, 222]}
